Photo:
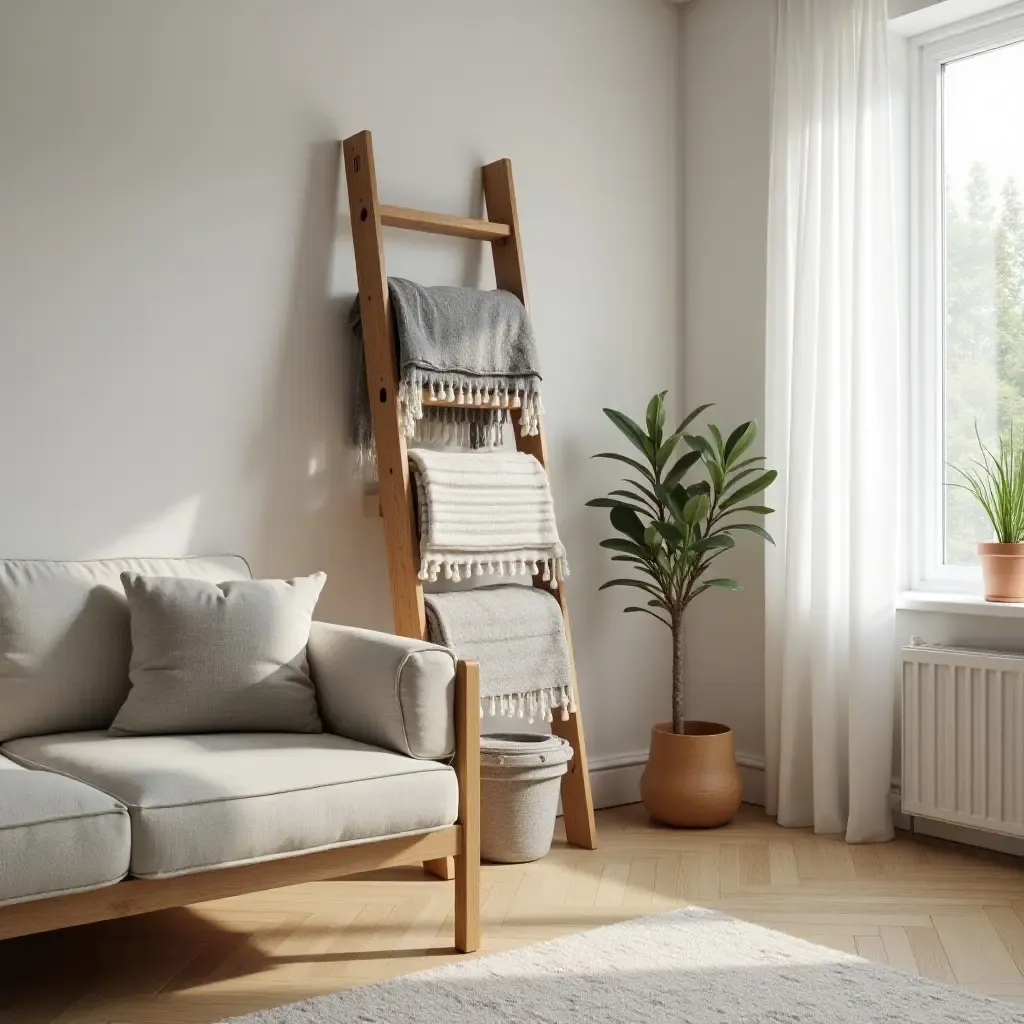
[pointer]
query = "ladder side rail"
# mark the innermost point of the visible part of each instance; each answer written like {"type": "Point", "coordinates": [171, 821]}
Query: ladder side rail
{"type": "Point", "coordinates": [400, 533]}
{"type": "Point", "coordinates": [510, 274]}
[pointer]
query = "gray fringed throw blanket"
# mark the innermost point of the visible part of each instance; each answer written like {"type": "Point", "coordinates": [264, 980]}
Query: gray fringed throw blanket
{"type": "Point", "coordinates": [485, 512]}
{"type": "Point", "coordinates": [467, 346]}
{"type": "Point", "coordinates": [517, 635]}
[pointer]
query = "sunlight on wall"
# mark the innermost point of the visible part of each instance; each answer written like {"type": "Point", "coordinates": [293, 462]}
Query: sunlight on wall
{"type": "Point", "coordinates": [168, 535]}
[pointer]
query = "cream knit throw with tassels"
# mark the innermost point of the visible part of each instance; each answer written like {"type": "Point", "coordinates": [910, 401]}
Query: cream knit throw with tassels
{"type": "Point", "coordinates": [485, 512]}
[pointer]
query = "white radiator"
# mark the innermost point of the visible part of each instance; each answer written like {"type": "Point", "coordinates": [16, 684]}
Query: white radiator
{"type": "Point", "coordinates": [963, 737]}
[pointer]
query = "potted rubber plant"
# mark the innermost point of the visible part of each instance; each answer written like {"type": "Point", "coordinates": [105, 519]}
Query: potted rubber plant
{"type": "Point", "coordinates": [996, 480]}
{"type": "Point", "coordinates": [669, 530]}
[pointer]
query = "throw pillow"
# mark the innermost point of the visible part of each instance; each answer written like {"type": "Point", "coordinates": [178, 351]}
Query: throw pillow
{"type": "Point", "coordinates": [219, 657]}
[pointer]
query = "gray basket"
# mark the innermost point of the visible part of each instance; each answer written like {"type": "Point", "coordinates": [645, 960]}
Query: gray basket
{"type": "Point", "coordinates": [519, 780]}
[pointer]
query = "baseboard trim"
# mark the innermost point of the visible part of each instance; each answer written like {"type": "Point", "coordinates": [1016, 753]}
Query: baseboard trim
{"type": "Point", "coordinates": [615, 779]}
{"type": "Point", "coordinates": [754, 785]}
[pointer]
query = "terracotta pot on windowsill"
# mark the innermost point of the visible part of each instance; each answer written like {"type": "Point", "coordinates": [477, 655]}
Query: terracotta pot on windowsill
{"type": "Point", "coordinates": [691, 780]}
{"type": "Point", "coordinates": [1002, 568]}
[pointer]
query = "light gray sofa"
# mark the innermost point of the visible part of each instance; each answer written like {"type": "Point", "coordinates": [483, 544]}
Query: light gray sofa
{"type": "Point", "coordinates": [96, 825]}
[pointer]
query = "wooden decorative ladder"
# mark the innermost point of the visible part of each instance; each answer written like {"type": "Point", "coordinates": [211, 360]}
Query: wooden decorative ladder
{"type": "Point", "coordinates": [501, 229]}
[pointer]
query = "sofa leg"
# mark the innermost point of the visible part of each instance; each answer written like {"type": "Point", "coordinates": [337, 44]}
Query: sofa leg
{"type": "Point", "coordinates": [443, 868]}
{"type": "Point", "coordinates": [467, 768]}
{"type": "Point", "coordinates": [467, 903]}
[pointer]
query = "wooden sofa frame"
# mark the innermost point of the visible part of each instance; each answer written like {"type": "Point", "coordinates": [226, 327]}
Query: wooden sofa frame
{"type": "Point", "coordinates": [461, 841]}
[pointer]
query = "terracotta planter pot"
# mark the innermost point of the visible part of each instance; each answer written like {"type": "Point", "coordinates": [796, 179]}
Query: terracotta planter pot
{"type": "Point", "coordinates": [691, 781]}
{"type": "Point", "coordinates": [1002, 567]}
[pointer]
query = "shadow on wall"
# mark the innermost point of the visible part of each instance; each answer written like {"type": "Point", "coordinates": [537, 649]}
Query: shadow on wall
{"type": "Point", "coordinates": [311, 515]}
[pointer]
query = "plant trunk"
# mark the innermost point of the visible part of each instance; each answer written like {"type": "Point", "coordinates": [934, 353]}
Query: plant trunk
{"type": "Point", "coordinates": [678, 719]}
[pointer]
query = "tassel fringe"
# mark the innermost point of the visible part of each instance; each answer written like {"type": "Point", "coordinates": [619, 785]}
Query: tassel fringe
{"type": "Point", "coordinates": [486, 396]}
{"type": "Point", "coordinates": [532, 705]}
{"type": "Point", "coordinates": [553, 570]}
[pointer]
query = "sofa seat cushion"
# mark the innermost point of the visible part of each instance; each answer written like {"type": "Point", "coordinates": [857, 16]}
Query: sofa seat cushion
{"type": "Point", "coordinates": [199, 802]}
{"type": "Point", "coordinates": [57, 835]}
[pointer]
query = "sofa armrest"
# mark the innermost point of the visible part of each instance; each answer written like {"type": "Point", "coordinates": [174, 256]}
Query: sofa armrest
{"type": "Point", "coordinates": [386, 690]}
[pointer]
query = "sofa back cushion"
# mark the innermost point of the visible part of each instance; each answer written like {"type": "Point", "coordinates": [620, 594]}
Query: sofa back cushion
{"type": "Point", "coordinates": [65, 639]}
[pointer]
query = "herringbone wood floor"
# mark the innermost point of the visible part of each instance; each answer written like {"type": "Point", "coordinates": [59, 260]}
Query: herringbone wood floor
{"type": "Point", "coordinates": [942, 911]}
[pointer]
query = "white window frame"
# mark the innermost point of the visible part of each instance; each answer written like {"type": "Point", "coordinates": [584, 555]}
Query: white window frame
{"type": "Point", "coordinates": [926, 501]}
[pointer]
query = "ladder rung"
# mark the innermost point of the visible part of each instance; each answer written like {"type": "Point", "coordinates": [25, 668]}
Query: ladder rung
{"type": "Point", "coordinates": [442, 224]}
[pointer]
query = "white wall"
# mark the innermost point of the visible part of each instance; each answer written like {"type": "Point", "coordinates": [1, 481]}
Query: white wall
{"type": "Point", "coordinates": [725, 87]}
{"type": "Point", "coordinates": [172, 282]}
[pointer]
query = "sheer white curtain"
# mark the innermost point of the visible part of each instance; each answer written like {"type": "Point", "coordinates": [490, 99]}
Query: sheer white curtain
{"type": "Point", "coordinates": [830, 421]}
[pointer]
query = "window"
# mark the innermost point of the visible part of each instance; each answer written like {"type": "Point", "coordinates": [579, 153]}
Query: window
{"type": "Point", "coordinates": [967, 255]}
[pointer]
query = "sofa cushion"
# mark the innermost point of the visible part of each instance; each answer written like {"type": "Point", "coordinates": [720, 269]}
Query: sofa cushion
{"type": "Point", "coordinates": [219, 657]}
{"type": "Point", "coordinates": [65, 642]}
{"type": "Point", "coordinates": [57, 836]}
{"type": "Point", "coordinates": [198, 802]}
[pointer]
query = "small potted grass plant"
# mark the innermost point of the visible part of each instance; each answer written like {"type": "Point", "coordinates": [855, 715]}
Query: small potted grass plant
{"type": "Point", "coordinates": [996, 480]}
{"type": "Point", "coordinates": [669, 531]}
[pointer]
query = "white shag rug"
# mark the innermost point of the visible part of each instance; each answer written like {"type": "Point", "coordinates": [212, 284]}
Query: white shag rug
{"type": "Point", "coordinates": [689, 967]}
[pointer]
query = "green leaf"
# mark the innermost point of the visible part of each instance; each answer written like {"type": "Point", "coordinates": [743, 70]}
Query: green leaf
{"type": "Point", "coordinates": [680, 469]}
{"type": "Point", "coordinates": [702, 445]}
{"type": "Point", "coordinates": [675, 499]}
{"type": "Point", "coordinates": [695, 509]}
{"type": "Point", "coordinates": [717, 435]}
{"type": "Point", "coordinates": [641, 566]}
{"type": "Point", "coordinates": [616, 503]}
{"type": "Point", "coordinates": [626, 547]}
{"type": "Point", "coordinates": [645, 491]}
{"type": "Point", "coordinates": [652, 538]}
{"type": "Point", "coordinates": [717, 541]}
{"type": "Point", "coordinates": [692, 416]}
{"type": "Point", "coordinates": [656, 418]}
{"type": "Point", "coordinates": [646, 611]}
{"type": "Point", "coordinates": [735, 475]}
{"type": "Point", "coordinates": [725, 584]}
{"type": "Point", "coordinates": [756, 510]}
{"type": "Point", "coordinates": [670, 532]}
{"type": "Point", "coordinates": [749, 490]}
{"type": "Point", "coordinates": [717, 475]}
{"type": "Point", "coordinates": [633, 432]}
{"type": "Point", "coordinates": [628, 461]}
{"type": "Point", "coordinates": [745, 463]}
{"type": "Point", "coordinates": [637, 584]}
{"type": "Point", "coordinates": [740, 440]}
{"type": "Point", "coordinates": [642, 497]}
{"type": "Point", "coordinates": [626, 521]}
{"type": "Point", "coordinates": [665, 451]}
{"type": "Point", "coordinates": [752, 528]}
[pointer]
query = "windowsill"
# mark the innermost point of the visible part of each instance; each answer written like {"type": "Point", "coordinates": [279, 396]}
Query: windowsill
{"type": "Point", "coordinates": [956, 604]}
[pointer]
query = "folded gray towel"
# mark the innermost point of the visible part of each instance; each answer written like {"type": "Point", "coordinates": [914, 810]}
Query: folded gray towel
{"type": "Point", "coordinates": [469, 346]}
{"type": "Point", "coordinates": [517, 635]}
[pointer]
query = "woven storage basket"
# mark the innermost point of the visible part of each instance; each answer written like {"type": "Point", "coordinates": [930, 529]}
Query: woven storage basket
{"type": "Point", "coordinates": [519, 780]}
